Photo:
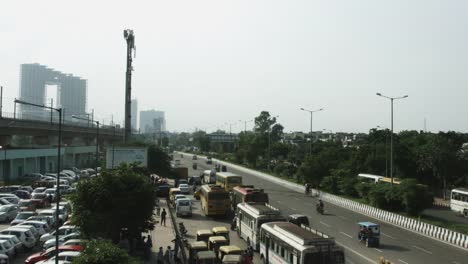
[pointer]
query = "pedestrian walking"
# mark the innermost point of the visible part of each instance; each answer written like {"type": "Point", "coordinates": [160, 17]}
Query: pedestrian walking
{"type": "Point", "coordinates": [149, 242]}
{"type": "Point", "coordinates": [168, 256]}
{"type": "Point", "coordinates": [163, 217]}
{"type": "Point", "coordinates": [160, 259]}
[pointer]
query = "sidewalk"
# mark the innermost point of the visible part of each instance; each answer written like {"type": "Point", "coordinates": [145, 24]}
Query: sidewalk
{"type": "Point", "coordinates": [161, 236]}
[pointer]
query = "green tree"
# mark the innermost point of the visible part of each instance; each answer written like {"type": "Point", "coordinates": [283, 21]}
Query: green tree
{"type": "Point", "coordinates": [159, 161]}
{"type": "Point", "coordinates": [103, 252]}
{"type": "Point", "coordinates": [201, 140]}
{"type": "Point", "coordinates": [115, 200]}
{"type": "Point", "coordinates": [415, 197]}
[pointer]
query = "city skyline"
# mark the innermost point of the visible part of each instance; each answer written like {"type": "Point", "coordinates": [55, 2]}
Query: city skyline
{"type": "Point", "coordinates": [313, 55]}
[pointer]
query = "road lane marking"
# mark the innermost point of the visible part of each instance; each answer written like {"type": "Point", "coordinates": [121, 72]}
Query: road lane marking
{"type": "Point", "coordinates": [402, 261]}
{"type": "Point", "coordinates": [325, 224]}
{"type": "Point", "coordinates": [355, 252]}
{"type": "Point", "coordinates": [346, 234]}
{"type": "Point", "coordinates": [378, 250]}
{"type": "Point", "coordinates": [343, 217]}
{"type": "Point", "coordinates": [423, 250]}
{"type": "Point", "coordinates": [279, 202]}
{"type": "Point", "coordinates": [387, 235]}
{"type": "Point", "coordinates": [294, 209]}
{"type": "Point", "coordinates": [297, 198]}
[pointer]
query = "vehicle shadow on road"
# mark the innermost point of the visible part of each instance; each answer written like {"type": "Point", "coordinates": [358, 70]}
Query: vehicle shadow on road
{"type": "Point", "coordinates": [393, 247]}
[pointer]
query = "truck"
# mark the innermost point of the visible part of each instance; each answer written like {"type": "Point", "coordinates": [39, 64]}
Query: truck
{"type": "Point", "coordinates": [180, 173]}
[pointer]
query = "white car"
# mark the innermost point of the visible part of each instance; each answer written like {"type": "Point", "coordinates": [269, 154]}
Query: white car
{"type": "Point", "coordinates": [75, 242]}
{"type": "Point", "coordinates": [39, 190]}
{"type": "Point", "coordinates": [4, 259]}
{"type": "Point", "coordinates": [51, 242]}
{"type": "Point", "coordinates": [184, 188]}
{"type": "Point", "coordinates": [63, 231]}
{"type": "Point", "coordinates": [25, 236]}
{"type": "Point", "coordinates": [13, 240]}
{"type": "Point", "coordinates": [8, 212]}
{"type": "Point", "coordinates": [183, 207]}
{"type": "Point", "coordinates": [51, 214]}
{"type": "Point", "coordinates": [63, 257]}
{"type": "Point", "coordinates": [21, 217]}
{"type": "Point", "coordinates": [41, 226]}
{"type": "Point", "coordinates": [7, 248]}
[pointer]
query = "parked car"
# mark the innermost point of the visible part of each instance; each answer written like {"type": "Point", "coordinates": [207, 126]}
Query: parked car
{"type": "Point", "coordinates": [27, 188]}
{"type": "Point", "coordinates": [39, 190]}
{"type": "Point", "coordinates": [4, 259]}
{"type": "Point", "coordinates": [51, 214]}
{"type": "Point", "coordinates": [31, 228]}
{"type": "Point", "coordinates": [25, 236]}
{"type": "Point", "coordinates": [47, 254]}
{"type": "Point", "coordinates": [7, 248]}
{"type": "Point", "coordinates": [14, 241]}
{"type": "Point", "coordinates": [42, 218]}
{"type": "Point", "coordinates": [40, 200]}
{"type": "Point", "coordinates": [184, 188]}
{"type": "Point", "coordinates": [9, 188]}
{"type": "Point", "coordinates": [8, 212]}
{"type": "Point", "coordinates": [63, 257]}
{"type": "Point", "coordinates": [53, 192]}
{"type": "Point", "coordinates": [22, 194]}
{"type": "Point", "coordinates": [27, 205]}
{"type": "Point", "coordinates": [51, 242]}
{"type": "Point", "coordinates": [63, 231]}
{"type": "Point", "coordinates": [32, 176]}
{"type": "Point", "coordinates": [12, 199]}
{"type": "Point", "coordinates": [75, 242]}
{"type": "Point", "coordinates": [22, 216]}
{"type": "Point", "coordinates": [5, 195]}
{"type": "Point", "coordinates": [42, 227]}
{"type": "Point", "coordinates": [4, 202]}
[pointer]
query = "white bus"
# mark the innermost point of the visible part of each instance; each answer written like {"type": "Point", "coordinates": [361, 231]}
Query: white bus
{"type": "Point", "coordinates": [287, 243]}
{"type": "Point", "coordinates": [249, 219]}
{"type": "Point", "coordinates": [459, 201]}
{"type": "Point", "coordinates": [209, 176]}
{"type": "Point", "coordinates": [370, 177]}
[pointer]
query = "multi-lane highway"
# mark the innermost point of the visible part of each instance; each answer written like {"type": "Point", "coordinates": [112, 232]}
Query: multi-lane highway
{"type": "Point", "coordinates": [397, 244]}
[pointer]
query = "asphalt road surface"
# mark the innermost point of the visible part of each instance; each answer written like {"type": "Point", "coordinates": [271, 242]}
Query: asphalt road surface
{"type": "Point", "coordinates": [397, 244]}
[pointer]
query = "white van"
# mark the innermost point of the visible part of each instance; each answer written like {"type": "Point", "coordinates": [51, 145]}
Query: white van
{"type": "Point", "coordinates": [31, 228]}
{"type": "Point", "coordinates": [14, 241]}
{"type": "Point", "coordinates": [183, 207]}
{"type": "Point", "coordinates": [24, 235]}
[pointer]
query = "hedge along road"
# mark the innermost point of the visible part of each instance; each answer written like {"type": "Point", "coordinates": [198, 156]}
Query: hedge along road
{"type": "Point", "coordinates": [397, 244]}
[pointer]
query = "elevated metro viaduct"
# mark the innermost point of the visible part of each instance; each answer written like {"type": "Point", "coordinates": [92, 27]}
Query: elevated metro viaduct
{"type": "Point", "coordinates": [29, 146]}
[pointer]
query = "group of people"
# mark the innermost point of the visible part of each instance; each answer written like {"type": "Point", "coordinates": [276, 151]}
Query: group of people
{"type": "Point", "coordinates": [167, 257]}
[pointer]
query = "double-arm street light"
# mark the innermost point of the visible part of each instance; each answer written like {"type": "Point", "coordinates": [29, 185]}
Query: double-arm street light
{"type": "Point", "coordinates": [391, 135]}
{"type": "Point", "coordinates": [97, 138]}
{"type": "Point", "coordinates": [59, 110]}
{"type": "Point", "coordinates": [311, 116]}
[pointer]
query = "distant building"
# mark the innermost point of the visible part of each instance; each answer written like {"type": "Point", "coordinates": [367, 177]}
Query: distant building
{"type": "Point", "coordinates": [148, 123]}
{"type": "Point", "coordinates": [71, 90]}
{"type": "Point", "coordinates": [134, 113]}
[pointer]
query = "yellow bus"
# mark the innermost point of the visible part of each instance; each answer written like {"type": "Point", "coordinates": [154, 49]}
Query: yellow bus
{"type": "Point", "coordinates": [228, 180]}
{"type": "Point", "coordinates": [214, 200]}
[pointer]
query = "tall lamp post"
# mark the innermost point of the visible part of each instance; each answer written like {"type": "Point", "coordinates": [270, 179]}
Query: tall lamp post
{"type": "Point", "coordinates": [391, 135]}
{"type": "Point", "coordinates": [59, 110]}
{"type": "Point", "coordinates": [5, 177]}
{"type": "Point", "coordinates": [311, 115]}
{"type": "Point", "coordinates": [97, 138]}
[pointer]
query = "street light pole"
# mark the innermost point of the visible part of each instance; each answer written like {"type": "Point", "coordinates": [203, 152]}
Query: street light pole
{"type": "Point", "coordinates": [59, 110]}
{"type": "Point", "coordinates": [386, 151]}
{"type": "Point", "coordinates": [391, 135]}
{"type": "Point", "coordinates": [311, 116]}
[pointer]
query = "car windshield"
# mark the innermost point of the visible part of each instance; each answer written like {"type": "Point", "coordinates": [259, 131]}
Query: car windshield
{"type": "Point", "coordinates": [23, 216]}
{"type": "Point", "coordinates": [3, 209]}
{"type": "Point", "coordinates": [24, 203]}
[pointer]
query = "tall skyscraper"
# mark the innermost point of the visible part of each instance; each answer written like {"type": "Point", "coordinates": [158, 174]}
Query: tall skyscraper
{"type": "Point", "coordinates": [134, 114]}
{"type": "Point", "coordinates": [71, 90]}
{"type": "Point", "coordinates": [148, 123]}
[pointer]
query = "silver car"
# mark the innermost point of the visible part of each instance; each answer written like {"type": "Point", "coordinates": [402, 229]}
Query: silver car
{"type": "Point", "coordinates": [8, 212]}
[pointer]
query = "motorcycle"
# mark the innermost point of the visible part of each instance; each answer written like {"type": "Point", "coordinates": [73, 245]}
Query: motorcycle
{"type": "Point", "coordinates": [319, 209]}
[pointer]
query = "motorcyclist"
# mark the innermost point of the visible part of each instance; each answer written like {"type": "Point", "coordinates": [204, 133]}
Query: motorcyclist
{"type": "Point", "coordinates": [320, 206]}
{"type": "Point", "coordinates": [307, 188]}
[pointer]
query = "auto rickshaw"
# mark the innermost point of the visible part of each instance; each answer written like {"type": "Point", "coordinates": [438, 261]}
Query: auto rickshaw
{"type": "Point", "coordinates": [205, 257]}
{"type": "Point", "coordinates": [194, 248]}
{"type": "Point", "coordinates": [369, 233]}
{"type": "Point", "coordinates": [221, 231]}
{"type": "Point", "coordinates": [214, 242]}
{"type": "Point", "coordinates": [232, 259]}
{"type": "Point", "coordinates": [204, 235]}
{"type": "Point", "coordinates": [229, 251]}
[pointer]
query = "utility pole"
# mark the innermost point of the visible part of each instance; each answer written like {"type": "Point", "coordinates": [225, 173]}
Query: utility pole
{"type": "Point", "coordinates": [130, 38]}
{"type": "Point", "coordinates": [1, 101]}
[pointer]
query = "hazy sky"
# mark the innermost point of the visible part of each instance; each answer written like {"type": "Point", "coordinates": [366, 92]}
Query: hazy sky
{"type": "Point", "coordinates": [206, 63]}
